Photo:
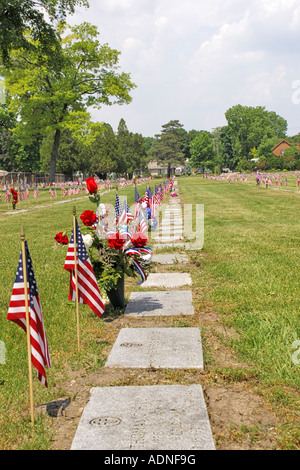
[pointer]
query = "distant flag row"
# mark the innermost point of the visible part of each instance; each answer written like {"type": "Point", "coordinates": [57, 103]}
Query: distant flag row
{"type": "Point", "coordinates": [150, 201]}
{"type": "Point", "coordinates": [68, 189]}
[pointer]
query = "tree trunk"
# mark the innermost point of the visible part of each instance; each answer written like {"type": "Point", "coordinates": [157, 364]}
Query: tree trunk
{"type": "Point", "coordinates": [54, 154]}
{"type": "Point", "coordinates": [169, 170]}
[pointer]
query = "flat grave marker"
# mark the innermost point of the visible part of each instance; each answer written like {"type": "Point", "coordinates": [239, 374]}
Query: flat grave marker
{"type": "Point", "coordinates": [160, 303]}
{"type": "Point", "coordinates": [167, 348]}
{"type": "Point", "coordinates": [167, 280]}
{"type": "Point", "coordinates": [158, 417]}
{"type": "Point", "coordinates": [169, 258]}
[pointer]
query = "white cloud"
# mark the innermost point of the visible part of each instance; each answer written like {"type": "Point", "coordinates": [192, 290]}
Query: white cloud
{"type": "Point", "coordinates": [193, 60]}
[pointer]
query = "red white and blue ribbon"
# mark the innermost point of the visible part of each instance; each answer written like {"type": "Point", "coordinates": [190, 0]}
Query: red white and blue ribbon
{"type": "Point", "coordinates": [144, 257]}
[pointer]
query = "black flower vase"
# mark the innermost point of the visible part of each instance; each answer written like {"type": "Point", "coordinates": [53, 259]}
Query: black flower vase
{"type": "Point", "coordinates": [116, 295]}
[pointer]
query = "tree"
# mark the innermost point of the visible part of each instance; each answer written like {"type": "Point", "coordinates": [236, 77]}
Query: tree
{"type": "Point", "coordinates": [248, 126]}
{"type": "Point", "coordinates": [19, 16]}
{"type": "Point", "coordinates": [7, 121]}
{"type": "Point", "coordinates": [13, 155]}
{"type": "Point", "coordinates": [132, 152]}
{"type": "Point", "coordinates": [138, 156]}
{"type": "Point", "coordinates": [104, 149]}
{"type": "Point", "coordinates": [123, 139]}
{"type": "Point", "coordinates": [167, 147]}
{"type": "Point", "coordinates": [52, 97]}
{"type": "Point", "coordinates": [73, 154]}
{"type": "Point", "coordinates": [202, 151]}
{"type": "Point", "coordinates": [229, 160]}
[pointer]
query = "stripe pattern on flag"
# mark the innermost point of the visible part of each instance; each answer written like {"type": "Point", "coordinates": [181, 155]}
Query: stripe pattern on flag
{"type": "Point", "coordinates": [88, 289]}
{"type": "Point", "coordinates": [40, 355]}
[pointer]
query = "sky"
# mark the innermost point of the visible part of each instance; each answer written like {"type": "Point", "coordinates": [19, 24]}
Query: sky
{"type": "Point", "coordinates": [192, 60]}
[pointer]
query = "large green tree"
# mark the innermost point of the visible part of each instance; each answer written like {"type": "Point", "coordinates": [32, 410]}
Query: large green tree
{"type": "Point", "coordinates": [202, 151]}
{"type": "Point", "coordinates": [168, 146]}
{"type": "Point", "coordinates": [249, 126]}
{"type": "Point", "coordinates": [104, 149]}
{"type": "Point", "coordinates": [52, 97]}
{"type": "Point", "coordinates": [132, 151]}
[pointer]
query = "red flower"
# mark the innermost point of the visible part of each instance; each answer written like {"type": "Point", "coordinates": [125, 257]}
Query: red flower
{"type": "Point", "coordinates": [61, 238]}
{"type": "Point", "coordinates": [139, 239]}
{"type": "Point", "coordinates": [91, 185]}
{"type": "Point", "coordinates": [14, 196]}
{"type": "Point", "coordinates": [116, 241]}
{"type": "Point", "coordinates": [89, 218]}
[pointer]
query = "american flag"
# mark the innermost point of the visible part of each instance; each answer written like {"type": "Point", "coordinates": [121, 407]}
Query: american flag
{"type": "Point", "coordinates": [21, 195]}
{"type": "Point", "coordinates": [150, 197]}
{"type": "Point", "coordinates": [151, 203]}
{"type": "Point", "coordinates": [36, 192]}
{"type": "Point", "coordinates": [7, 196]}
{"type": "Point", "coordinates": [136, 202]}
{"type": "Point", "coordinates": [127, 214]}
{"type": "Point", "coordinates": [40, 355]}
{"type": "Point", "coordinates": [88, 290]}
{"type": "Point", "coordinates": [64, 191]}
{"type": "Point", "coordinates": [146, 198]}
{"type": "Point", "coordinates": [119, 210]}
{"type": "Point", "coordinates": [142, 223]}
{"type": "Point", "coordinates": [160, 192]}
{"type": "Point", "coordinates": [26, 193]}
{"type": "Point", "coordinates": [157, 196]}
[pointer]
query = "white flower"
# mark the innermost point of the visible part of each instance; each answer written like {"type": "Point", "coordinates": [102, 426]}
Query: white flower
{"type": "Point", "coordinates": [147, 258]}
{"type": "Point", "coordinates": [88, 240]}
{"type": "Point", "coordinates": [101, 211]}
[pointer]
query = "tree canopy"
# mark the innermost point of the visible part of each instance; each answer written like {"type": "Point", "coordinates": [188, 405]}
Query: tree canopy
{"type": "Point", "coordinates": [167, 147]}
{"type": "Point", "coordinates": [249, 127]}
{"type": "Point", "coordinates": [202, 151]}
{"type": "Point", "coordinates": [17, 17]}
{"type": "Point", "coordinates": [49, 98]}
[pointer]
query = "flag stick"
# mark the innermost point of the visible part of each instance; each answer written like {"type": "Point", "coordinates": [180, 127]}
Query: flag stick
{"type": "Point", "coordinates": [76, 276]}
{"type": "Point", "coordinates": [27, 324]}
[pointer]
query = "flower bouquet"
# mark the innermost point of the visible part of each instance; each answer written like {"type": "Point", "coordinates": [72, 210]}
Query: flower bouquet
{"type": "Point", "coordinates": [14, 197]}
{"type": "Point", "coordinates": [116, 243]}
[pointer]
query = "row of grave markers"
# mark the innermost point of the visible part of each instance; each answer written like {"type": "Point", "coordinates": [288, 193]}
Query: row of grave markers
{"type": "Point", "coordinates": [160, 417]}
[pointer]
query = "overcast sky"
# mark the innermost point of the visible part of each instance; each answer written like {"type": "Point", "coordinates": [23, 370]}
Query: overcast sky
{"type": "Point", "coordinates": [193, 59]}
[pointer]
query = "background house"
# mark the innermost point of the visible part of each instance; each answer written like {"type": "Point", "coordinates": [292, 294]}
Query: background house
{"type": "Point", "coordinates": [283, 145]}
{"type": "Point", "coordinates": [157, 169]}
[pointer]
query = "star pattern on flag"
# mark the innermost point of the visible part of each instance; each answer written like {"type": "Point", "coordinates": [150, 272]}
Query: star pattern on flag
{"type": "Point", "coordinates": [118, 207]}
{"type": "Point", "coordinates": [81, 249]}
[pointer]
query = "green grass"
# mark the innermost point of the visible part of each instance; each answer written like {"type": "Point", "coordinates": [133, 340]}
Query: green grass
{"type": "Point", "coordinates": [251, 272]}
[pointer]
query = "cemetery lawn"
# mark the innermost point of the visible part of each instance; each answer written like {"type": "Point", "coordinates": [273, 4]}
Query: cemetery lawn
{"type": "Point", "coordinates": [246, 298]}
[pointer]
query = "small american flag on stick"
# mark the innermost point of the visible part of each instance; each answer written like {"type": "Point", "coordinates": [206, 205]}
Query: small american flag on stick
{"type": "Point", "coordinates": [87, 287]}
{"type": "Point", "coordinates": [36, 192]}
{"type": "Point", "coordinates": [7, 196]}
{"type": "Point", "coordinates": [136, 202]}
{"type": "Point", "coordinates": [25, 307]}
